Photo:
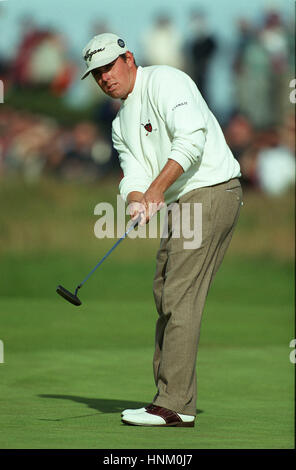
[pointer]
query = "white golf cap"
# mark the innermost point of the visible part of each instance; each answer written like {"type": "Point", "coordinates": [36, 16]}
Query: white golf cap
{"type": "Point", "coordinates": [101, 50]}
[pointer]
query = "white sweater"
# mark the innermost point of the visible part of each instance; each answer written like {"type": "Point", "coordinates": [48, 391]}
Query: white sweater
{"type": "Point", "coordinates": [166, 117]}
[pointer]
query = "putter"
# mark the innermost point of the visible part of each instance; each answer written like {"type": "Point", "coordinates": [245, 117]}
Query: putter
{"type": "Point", "coordinates": [73, 298]}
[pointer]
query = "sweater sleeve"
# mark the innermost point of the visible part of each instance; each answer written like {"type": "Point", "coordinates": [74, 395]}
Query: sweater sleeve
{"type": "Point", "coordinates": [134, 176]}
{"type": "Point", "coordinates": [184, 111]}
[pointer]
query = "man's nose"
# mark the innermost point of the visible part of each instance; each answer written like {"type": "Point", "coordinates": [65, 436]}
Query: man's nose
{"type": "Point", "coordinates": [105, 76]}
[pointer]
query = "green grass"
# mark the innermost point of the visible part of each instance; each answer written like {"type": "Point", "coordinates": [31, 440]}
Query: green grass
{"type": "Point", "coordinates": [69, 371]}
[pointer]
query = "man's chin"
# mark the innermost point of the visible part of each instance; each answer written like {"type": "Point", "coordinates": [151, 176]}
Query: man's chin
{"type": "Point", "coordinates": [114, 94]}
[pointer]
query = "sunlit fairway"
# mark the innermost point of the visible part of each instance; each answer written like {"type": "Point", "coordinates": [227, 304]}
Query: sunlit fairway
{"type": "Point", "coordinates": [69, 371]}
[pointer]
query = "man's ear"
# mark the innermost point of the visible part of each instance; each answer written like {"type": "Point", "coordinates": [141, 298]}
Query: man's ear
{"type": "Point", "coordinates": [129, 58]}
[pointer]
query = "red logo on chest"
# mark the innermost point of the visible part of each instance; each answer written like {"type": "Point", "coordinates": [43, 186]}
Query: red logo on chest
{"type": "Point", "coordinates": [148, 127]}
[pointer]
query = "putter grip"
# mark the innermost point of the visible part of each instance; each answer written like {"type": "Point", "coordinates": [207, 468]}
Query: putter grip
{"type": "Point", "coordinates": [136, 223]}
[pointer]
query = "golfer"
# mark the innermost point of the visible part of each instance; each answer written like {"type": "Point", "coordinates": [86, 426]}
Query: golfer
{"type": "Point", "coordinates": [171, 150]}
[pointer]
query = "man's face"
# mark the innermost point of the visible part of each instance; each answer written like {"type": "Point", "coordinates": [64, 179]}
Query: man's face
{"type": "Point", "coordinates": [117, 79]}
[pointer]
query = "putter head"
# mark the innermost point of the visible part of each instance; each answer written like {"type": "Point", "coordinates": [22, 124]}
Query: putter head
{"type": "Point", "coordinates": [72, 298]}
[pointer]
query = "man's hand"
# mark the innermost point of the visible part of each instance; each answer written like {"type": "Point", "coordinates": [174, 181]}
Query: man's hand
{"type": "Point", "coordinates": [152, 200]}
{"type": "Point", "coordinates": [145, 205]}
{"type": "Point", "coordinates": [137, 209]}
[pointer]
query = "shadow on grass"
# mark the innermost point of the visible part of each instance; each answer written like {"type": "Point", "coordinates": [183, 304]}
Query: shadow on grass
{"type": "Point", "coordinates": [103, 405]}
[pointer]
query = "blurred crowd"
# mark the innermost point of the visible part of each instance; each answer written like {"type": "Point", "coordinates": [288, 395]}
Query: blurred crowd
{"type": "Point", "coordinates": [32, 145]}
{"type": "Point", "coordinates": [260, 129]}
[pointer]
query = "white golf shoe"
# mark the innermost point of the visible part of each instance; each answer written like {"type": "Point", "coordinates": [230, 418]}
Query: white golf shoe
{"type": "Point", "coordinates": [134, 411]}
{"type": "Point", "coordinates": [154, 415]}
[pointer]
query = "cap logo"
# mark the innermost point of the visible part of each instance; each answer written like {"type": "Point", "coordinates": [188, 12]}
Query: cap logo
{"type": "Point", "coordinates": [88, 55]}
{"type": "Point", "coordinates": [121, 43]}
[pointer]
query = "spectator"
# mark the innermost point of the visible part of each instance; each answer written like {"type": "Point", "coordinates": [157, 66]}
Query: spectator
{"type": "Point", "coordinates": [42, 61]}
{"type": "Point", "coordinates": [200, 49]}
{"type": "Point", "coordinates": [261, 71]}
{"type": "Point", "coordinates": [245, 38]}
{"type": "Point", "coordinates": [26, 155]}
{"type": "Point", "coordinates": [246, 33]}
{"type": "Point", "coordinates": [239, 134]}
{"type": "Point", "coordinates": [276, 165]}
{"type": "Point", "coordinates": [86, 154]}
{"type": "Point", "coordinates": [104, 113]}
{"type": "Point", "coordinates": [253, 97]}
{"type": "Point", "coordinates": [32, 37]}
{"type": "Point", "coordinates": [162, 44]}
{"type": "Point", "coordinates": [32, 145]}
{"type": "Point", "coordinates": [276, 170]}
{"type": "Point", "coordinates": [268, 164]}
{"type": "Point", "coordinates": [274, 39]}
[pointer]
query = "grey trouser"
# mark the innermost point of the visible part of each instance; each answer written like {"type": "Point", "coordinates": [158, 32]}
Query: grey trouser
{"type": "Point", "coordinates": [181, 283]}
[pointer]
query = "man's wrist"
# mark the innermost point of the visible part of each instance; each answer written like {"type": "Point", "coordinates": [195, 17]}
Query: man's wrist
{"type": "Point", "coordinates": [134, 196]}
{"type": "Point", "coordinates": [159, 185]}
{"type": "Point", "coordinates": [171, 171]}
